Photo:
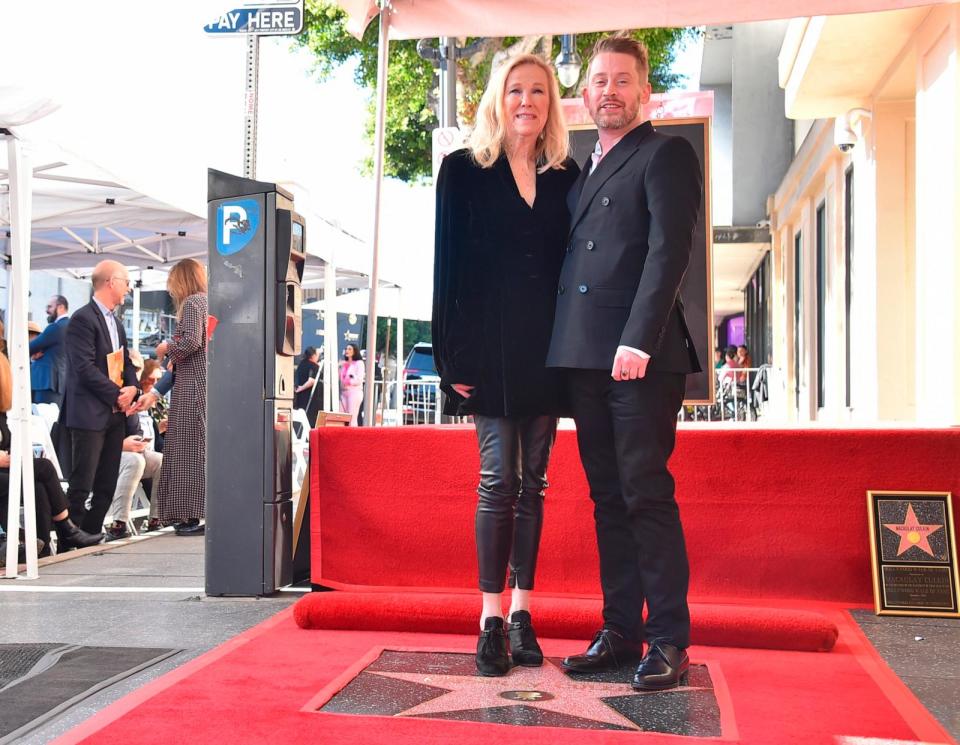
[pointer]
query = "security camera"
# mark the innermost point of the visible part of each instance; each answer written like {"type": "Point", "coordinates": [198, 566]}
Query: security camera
{"type": "Point", "coordinates": [844, 135]}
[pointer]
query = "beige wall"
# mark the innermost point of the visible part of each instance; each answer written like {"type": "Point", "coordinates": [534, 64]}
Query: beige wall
{"type": "Point", "coordinates": [905, 317]}
{"type": "Point", "coordinates": [938, 212]}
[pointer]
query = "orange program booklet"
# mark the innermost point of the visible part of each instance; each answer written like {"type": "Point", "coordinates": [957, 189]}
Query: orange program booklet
{"type": "Point", "coordinates": [115, 367]}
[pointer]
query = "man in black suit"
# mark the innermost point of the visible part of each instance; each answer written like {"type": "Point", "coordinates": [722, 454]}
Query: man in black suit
{"type": "Point", "coordinates": [94, 407]}
{"type": "Point", "coordinates": [620, 333]}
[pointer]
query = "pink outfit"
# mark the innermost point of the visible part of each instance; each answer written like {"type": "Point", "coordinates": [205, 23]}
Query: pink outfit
{"type": "Point", "coordinates": [351, 389]}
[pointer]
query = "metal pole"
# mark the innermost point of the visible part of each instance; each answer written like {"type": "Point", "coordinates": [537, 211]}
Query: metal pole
{"type": "Point", "coordinates": [386, 359]}
{"type": "Point", "coordinates": [252, 103]}
{"type": "Point", "coordinates": [448, 81]}
{"type": "Point", "coordinates": [383, 60]}
{"type": "Point", "coordinates": [399, 377]}
{"type": "Point", "coordinates": [21, 452]}
{"type": "Point", "coordinates": [331, 380]}
{"type": "Point", "coordinates": [135, 322]}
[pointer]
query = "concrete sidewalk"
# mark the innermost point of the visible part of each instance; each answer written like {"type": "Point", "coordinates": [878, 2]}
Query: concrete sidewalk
{"type": "Point", "coordinates": [147, 593]}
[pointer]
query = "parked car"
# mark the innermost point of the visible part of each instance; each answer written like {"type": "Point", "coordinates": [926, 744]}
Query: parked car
{"type": "Point", "coordinates": [421, 385]}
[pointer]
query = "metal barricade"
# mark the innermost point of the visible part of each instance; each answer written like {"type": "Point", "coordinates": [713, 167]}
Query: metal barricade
{"type": "Point", "coordinates": [741, 397]}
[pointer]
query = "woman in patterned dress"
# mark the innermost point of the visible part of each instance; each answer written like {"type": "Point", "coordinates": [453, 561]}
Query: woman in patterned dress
{"type": "Point", "coordinates": [181, 495]}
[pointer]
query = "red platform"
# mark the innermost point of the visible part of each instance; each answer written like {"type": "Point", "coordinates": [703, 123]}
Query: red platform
{"type": "Point", "coordinates": [770, 515]}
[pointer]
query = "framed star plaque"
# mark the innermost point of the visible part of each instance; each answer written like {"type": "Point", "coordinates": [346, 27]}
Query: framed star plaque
{"type": "Point", "coordinates": [913, 551]}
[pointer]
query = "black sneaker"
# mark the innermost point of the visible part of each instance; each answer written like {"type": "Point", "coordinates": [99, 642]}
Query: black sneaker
{"type": "Point", "coordinates": [492, 657]}
{"type": "Point", "coordinates": [523, 640]}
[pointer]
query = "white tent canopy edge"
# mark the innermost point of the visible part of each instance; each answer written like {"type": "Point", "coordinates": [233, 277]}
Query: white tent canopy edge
{"type": "Point", "coordinates": [417, 19]}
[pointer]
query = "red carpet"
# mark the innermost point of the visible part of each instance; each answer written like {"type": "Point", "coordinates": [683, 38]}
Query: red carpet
{"type": "Point", "coordinates": [768, 514]}
{"type": "Point", "coordinates": [254, 689]}
{"type": "Point", "coordinates": [563, 618]}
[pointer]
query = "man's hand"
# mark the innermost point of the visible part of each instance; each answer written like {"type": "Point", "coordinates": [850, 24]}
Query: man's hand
{"type": "Point", "coordinates": [146, 401]}
{"type": "Point", "coordinates": [628, 366]}
{"type": "Point", "coordinates": [36, 355]}
{"type": "Point", "coordinates": [126, 397]}
{"type": "Point", "coordinates": [161, 350]}
{"type": "Point", "coordinates": [4, 459]}
{"type": "Point", "coordinates": [134, 444]}
{"type": "Point", "coordinates": [464, 390]}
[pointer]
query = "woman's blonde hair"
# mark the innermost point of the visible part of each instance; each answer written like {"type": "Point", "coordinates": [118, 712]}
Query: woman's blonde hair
{"type": "Point", "coordinates": [188, 277]}
{"type": "Point", "coordinates": [488, 136]}
{"type": "Point", "coordinates": [6, 385]}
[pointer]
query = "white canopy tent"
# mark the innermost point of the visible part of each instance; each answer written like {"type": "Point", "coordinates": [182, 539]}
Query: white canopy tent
{"type": "Point", "coordinates": [417, 19]}
{"type": "Point", "coordinates": [61, 214]}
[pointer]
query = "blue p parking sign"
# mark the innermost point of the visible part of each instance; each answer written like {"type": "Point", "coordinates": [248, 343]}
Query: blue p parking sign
{"type": "Point", "coordinates": [237, 223]}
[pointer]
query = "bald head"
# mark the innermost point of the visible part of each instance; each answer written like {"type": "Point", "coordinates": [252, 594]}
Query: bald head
{"type": "Point", "coordinates": [110, 282]}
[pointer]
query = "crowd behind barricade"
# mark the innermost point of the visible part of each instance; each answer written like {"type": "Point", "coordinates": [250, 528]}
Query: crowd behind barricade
{"type": "Point", "coordinates": [110, 429]}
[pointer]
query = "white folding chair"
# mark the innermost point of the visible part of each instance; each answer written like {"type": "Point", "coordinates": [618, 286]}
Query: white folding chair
{"type": "Point", "coordinates": [300, 428]}
{"type": "Point", "coordinates": [50, 413]}
{"type": "Point", "coordinates": [40, 437]}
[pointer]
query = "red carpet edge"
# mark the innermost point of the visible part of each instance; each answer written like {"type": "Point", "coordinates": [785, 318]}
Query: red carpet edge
{"type": "Point", "coordinates": [561, 618]}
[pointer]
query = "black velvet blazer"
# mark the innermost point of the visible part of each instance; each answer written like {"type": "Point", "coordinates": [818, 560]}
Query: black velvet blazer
{"type": "Point", "coordinates": [496, 266]}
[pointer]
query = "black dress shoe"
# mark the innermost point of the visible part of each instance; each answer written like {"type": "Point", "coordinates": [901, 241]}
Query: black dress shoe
{"type": "Point", "coordinates": [608, 651]}
{"type": "Point", "coordinates": [664, 666]}
{"type": "Point", "coordinates": [190, 527]}
{"type": "Point", "coordinates": [70, 536]}
{"type": "Point", "coordinates": [492, 657]}
{"type": "Point", "coordinates": [523, 641]}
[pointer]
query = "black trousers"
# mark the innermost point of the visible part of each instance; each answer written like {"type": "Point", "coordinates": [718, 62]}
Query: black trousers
{"type": "Point", "coordinates": [96, 465]}
{"type": "Point", "coordinates": [626, 432]}
{"type": "Point", "coordinates": [514, 452]}
{"type": "Point", "coordinates": [48, 496]}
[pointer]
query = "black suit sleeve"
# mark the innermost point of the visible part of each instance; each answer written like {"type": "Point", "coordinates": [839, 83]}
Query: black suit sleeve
{"type": "Point", "coordinates": [81, 344]}
{"type": "Point", "coordinates": [453, 338]}
{"type": "Point", "coordinates": [673, 185]}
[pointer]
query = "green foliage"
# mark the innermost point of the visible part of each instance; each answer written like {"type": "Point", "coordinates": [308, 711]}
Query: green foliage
{"type": "Point", "coordinates": [412, 81]}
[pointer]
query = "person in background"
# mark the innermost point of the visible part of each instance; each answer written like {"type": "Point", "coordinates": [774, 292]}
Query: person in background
{"type": "Point", "coordinates": [138, 461]}
{"type": "Point", "coordinates": [305, 378]}
{"type": "Point", "coordinates": [150, 379]}
{"type": "Point", "coordinates": [729, 363]}
{"type": "Point", "coordinates": [717, 357]}
{"type": "Point", "coordinates": [351, 382]}
{"type": "Point", "coordinates": [95, 401]}
{"type": "Point", "coordinates": [745, 361]}
{"type": "Point", "coordinates": [181, 496]}
{"type": "Point", "coordinates": [501, 230]}
{"type": "Point", "coordinates": [50, 501]}
{"type": "Point", "coordinates": [48, 367]}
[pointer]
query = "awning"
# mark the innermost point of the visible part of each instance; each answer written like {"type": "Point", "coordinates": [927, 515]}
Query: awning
{"type": "Point", "coordinates": [417, 19]}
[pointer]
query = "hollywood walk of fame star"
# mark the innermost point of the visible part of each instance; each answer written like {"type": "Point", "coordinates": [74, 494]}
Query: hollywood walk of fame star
{"type": "Point", "coordinates": [566, 695]}
{"type": "Point", "coordinates": [912, 533]}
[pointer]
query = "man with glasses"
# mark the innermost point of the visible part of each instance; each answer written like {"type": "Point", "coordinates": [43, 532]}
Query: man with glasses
{"type": "Point", "coordinates": [96, 402]}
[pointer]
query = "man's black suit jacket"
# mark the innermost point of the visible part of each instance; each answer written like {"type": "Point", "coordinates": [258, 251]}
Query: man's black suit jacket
{"type": "Point", "coordinates": [629, 246]}
{"type": "Point", "coordinates": [91, 395]}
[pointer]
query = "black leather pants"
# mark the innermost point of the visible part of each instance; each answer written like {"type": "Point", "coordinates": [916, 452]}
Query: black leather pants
{"type": "Point", "coordinates": [514, 452]}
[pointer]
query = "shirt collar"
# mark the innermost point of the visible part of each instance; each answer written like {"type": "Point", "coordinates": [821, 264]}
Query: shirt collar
{"type": "Point", "coordinates": [103, 308]}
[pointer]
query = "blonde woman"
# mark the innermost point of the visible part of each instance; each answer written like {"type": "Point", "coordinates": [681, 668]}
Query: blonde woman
{"type": "Point", "coordinates": [181, 495]}
{"type": "Point", "coordinates": [501, 230]}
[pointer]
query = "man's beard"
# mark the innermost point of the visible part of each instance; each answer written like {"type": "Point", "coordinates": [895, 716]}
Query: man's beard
{"type": "Point", "coordinates": [615, 120]}
{"type": "Point", "coordinates": [51, 317]}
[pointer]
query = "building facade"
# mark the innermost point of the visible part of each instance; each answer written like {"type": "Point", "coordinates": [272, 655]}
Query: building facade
{"type": "Point", "coordinates": [865, 224]}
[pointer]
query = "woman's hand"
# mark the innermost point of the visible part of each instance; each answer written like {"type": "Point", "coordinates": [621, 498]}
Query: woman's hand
{"type": "Point", "coordinates": [464, 390]}
{"type": "Point", "coordinates": [161, 350]}
{"type": "Point", "coordinates": [4, 459]}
